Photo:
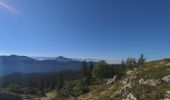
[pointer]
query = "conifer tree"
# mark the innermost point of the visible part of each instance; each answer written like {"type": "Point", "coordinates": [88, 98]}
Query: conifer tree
{"type": "Point", "coordinates": [141, 60]}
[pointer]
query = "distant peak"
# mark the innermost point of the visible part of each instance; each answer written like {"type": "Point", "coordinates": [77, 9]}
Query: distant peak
{"type": "Point", "coordinates": [60, 57]}
{"type": "Point", "coordinates": [13, 55]}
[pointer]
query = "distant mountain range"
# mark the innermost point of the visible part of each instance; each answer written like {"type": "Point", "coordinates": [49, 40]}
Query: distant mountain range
{"type": "Point", "coordinates": [23, 64]}
{"type": "Point", "coordinates": [61, 58]}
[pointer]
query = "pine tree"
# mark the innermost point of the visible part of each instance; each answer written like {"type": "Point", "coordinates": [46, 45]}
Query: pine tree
{"type": "Point", "coordinates": [123, 63]}
{"type": "Point", "coordinates": [86, 72]}
{"type": "Point", "coordinates": [131, 62]}
{"type": "Point", "coordinates": [141, 60]}
{"type": "Point", "coordinates": [60, 84]}
{"type": "Point", "coordinates": [91, 66]}
{"type": "Point", "coordinates": [84, 69]}
{"type": "Point", "coordinates": [99, 71]}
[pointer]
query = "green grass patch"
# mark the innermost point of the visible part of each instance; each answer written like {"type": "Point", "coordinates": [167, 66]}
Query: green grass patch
{"type": "Point", "coordinates": [155, 73]}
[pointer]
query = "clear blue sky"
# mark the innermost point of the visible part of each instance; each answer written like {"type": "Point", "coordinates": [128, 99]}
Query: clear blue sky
{"type": "Point", "coordinates": [107, 29]}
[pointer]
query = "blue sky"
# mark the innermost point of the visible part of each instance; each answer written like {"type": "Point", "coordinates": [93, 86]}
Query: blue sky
{"type": "Point", "coordinates": [102, 29]}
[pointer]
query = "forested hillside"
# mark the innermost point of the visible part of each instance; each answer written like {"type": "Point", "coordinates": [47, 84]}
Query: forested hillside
{"type": "Point", "coordinates": [133, 79]}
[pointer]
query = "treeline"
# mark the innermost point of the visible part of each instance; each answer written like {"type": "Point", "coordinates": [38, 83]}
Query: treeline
{"type": "Point", "coordinates": [96, 73]}
{"type": "Point", "coordinates": [68, 83]}
{"type": "Point", "coordinates": [34, 83]}
{"type": "Point", "coordinates": [102, 70]}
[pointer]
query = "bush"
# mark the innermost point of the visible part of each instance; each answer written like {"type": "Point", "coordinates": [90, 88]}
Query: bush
{"type": "Point", "coordinates": [155, 73]}
{"type": "Point", "coordinates": [33, 91]}
{"type": "Point", "coordinates": [40, 93]}
{"type": "Point", "coordinates": [145, 92]}
{"type": "Point", "coordinates": [140, 91]}
{"type": "Point", "coordinates": [83, 86]}
{"type": "Point", "coordinates": [14, 88]}
{"type": "Point", "coordinates": [29, 90]}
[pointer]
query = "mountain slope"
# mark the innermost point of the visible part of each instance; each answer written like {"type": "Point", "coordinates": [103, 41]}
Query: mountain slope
{"type": "Point", "coordinates": [24, 64]}
{"type": "Point", "coordinates": [63, 59]}
{"type": "Point", "coordinates": [147, 82]}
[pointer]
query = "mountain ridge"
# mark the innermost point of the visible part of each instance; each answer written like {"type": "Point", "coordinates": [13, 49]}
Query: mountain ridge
{"type": "Point", "coordinates": [14, 63]}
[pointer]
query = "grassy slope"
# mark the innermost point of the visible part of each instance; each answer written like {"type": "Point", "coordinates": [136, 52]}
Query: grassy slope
{"type": "Point", "coordinates": [151, 70]}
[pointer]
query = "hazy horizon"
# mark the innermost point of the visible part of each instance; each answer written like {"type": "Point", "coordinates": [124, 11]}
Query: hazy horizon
{"type": "Point", "coordinates": [110, 61]}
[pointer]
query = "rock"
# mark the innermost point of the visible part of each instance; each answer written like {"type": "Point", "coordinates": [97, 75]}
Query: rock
{"type": "Point", "coordinates": [25, 97]}
{"type": "Point", "coordinates": [103, 93]}
{"type": "Point", "coordinates": [129, 72]}
{"type": "Point", "coordinates": [167, 94]}
{"type": "Point", "coordinates": [162, 62]}
{"type": "Point", "coordinates": [130, 96]}
{"type": "Point", "coordinates": [133, 77]}
{"type": "Point", "coordinates": [128, 80]}
{"type": "Point", "coordinates": [151, 82]}
{"type": "Point", "coordinates": [125, 81]}
{"type": "Point", "coordinates": [141, 81]}
{"type": "Point", "coordinates": [117, 93]}
{"type": "Point", "coordinates": [132, 72]}
{"type": "Point", "coordinates": [90, 95]}
{"type": "Point", "coordinates": [168, 64]}
{"type": "Point", "coordinates": [135, 69]}
{"type": "Point", "coordinates": [127, 86]}
{"type": "Point", "coordinates": [166, 79]}
{"type": "Point", "coordinates": [113, 80]}
{"type": "Point", "coordinates": [123, 91]}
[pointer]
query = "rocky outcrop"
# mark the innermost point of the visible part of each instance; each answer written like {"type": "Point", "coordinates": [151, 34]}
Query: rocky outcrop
{"type": "Point", "coordinates": [168, 64]}
{"type": "Point", "coordinates": [112, 80]}
{"type": "Point", "coordinates": [151, 82]}
{"type": "Point", "coordinates": [128, 80]}
{"type": "Point", "coordinates": [127, 83]}
{"type": "Point", "coordinates": [166, 79]}
{"type": "Point", "coordinates": [130, 96]}
{"type": "Point", "coordinates": [129, 72]}
{"type": "Point", "coordinates": [167, 94]}
{"type": "Point", "coordinates": [131, 77]}
{"type": "Point", "coordinates": [123, 91]}
{"type": "Point", "coordinates": [132, 72]}
{"type": "Point", "coordinates": [26, 97]}
{"type": "Point", "coordinates": [142, 81]}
